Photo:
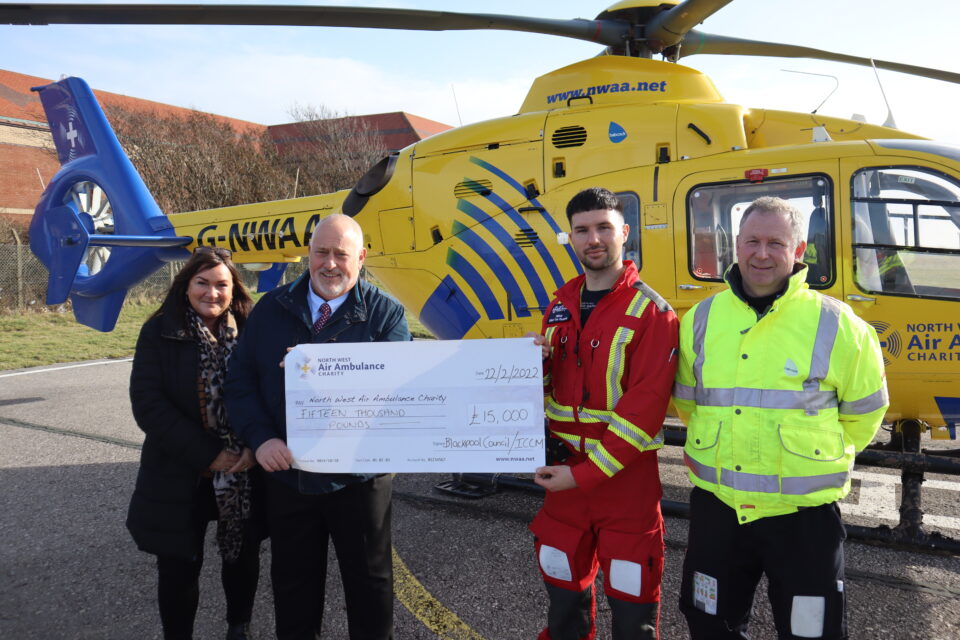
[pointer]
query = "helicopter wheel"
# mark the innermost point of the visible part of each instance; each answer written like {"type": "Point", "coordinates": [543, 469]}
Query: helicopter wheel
{"type": "Point", "coordinates": [94, 207]}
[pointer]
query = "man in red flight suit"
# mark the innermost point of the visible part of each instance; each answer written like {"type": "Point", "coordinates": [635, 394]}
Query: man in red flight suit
{"type": "Point", "coordinates": [609, 345]}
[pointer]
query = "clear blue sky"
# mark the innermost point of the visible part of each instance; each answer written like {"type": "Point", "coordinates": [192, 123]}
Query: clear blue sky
{"type": "Point", "coordinates": [257, 73]}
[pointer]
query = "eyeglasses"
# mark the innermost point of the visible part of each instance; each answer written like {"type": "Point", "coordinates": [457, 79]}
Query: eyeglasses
{"type": "Point", "coordinates": [220, 252]}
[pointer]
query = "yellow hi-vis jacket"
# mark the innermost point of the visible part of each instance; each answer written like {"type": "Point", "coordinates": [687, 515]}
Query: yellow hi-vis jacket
{"type": "Point", "coordinates": [776, 407]}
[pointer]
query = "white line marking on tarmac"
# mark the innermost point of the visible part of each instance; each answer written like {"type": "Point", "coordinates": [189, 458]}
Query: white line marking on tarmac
{"type": "Point", "coordinates": [878, 499]}
{"type": "Point", "coordinates": [68, 366]}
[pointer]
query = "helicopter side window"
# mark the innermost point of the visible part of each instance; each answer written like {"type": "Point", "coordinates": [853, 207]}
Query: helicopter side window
{"type": "Point", "coordinates": [906, 232]}
{"type": "Point", "coordinates": [713, 221]}
{"type": "Point", "coordinates": [630, 203]}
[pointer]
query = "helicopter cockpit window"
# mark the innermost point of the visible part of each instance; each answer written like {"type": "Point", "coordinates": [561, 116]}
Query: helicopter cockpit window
{"type": "Point", "coordinates": [713, 221]}
{"type": "Point", "coordinates": [630, 204]}
{"type": "Point", "coordinates": [906, 232]}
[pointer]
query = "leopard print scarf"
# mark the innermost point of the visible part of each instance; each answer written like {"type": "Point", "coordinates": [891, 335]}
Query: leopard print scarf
{"type": "Point", "coordinates": [232, 490]}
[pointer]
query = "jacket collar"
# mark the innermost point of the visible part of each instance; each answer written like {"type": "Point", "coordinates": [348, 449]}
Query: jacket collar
{"type": "Point", "coordinates": [173, 328]}
{"type": "Point", "coordinates": [795, 283]}
{"type": "Point", "coordinates": [570, 292]}
{"type": "Point", "coordinates": [293, 298]}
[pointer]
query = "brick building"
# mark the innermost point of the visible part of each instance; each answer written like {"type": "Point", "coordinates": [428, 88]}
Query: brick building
{"type": "Point", "coordinates": [28, 159]}
{"type": "Point", "coordinates": [396, 130]}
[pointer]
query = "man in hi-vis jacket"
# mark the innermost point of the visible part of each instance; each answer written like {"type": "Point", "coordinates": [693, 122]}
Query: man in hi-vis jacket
{"type": "Point", "coordinates": [779, 386]}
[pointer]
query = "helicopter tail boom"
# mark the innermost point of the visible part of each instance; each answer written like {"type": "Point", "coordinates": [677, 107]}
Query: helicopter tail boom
{"type": "Point", "coordinates": [96, 229]}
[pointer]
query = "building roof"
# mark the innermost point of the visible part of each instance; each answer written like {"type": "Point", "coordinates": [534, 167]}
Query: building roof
{"type": "Point", "coordinates": [397, 129]}
{"type": "Point", "coordinates": [19, 104]}
{"type": "Point", "coordinates": [27, 160]}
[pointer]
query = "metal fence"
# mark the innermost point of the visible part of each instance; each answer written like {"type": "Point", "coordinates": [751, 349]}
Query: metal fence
{"type": "Point", "coordinates": [23, 280]}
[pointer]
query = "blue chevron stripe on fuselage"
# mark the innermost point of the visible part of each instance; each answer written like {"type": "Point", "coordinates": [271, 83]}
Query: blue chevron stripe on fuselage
{"type": "Point", "coordinates": [518, 220]}
{"type": "Point", "coordinates": [475, 281]}
{"type": "Point", "coordinates": [543, 210]}
{"type": "Point", "coordinates": [486, 253]}
{"type": "Point", "coordinates": [510, 244]}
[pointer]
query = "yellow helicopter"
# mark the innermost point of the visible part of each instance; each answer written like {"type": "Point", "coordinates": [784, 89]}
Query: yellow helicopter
{"type": "Point", "coordinates": [466, 228]}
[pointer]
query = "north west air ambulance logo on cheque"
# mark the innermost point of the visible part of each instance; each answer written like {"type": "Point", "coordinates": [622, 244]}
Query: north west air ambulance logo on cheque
{"type": "Point", "coordinates": [305, 368]}
{"type": "Point", "coordinates": [889, 341]}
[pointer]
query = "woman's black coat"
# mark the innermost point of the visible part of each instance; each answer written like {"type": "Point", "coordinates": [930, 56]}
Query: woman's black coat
{"type": "Point", "coordinates": [177, 449]}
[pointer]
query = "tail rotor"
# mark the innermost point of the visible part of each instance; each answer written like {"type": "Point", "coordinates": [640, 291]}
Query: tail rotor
{"type": "Point", "coordinates": [97, 229]}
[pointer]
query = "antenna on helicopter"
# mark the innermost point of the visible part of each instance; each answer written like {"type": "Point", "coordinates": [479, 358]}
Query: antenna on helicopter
{"type": "Point", "coordinates": [889, 122]}
{"type": "Point", "coordinates": [456, 103]}
{"type": "Point", "coordinates": [825, 75]}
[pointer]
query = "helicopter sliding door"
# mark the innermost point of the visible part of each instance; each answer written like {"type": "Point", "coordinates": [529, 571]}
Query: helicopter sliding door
{"type": "Point", "coordinates": [482, 239]}
{"type": "Point", "coordinates": [708, 210]}
{"type": "Point", "coordinates": [904, 250]}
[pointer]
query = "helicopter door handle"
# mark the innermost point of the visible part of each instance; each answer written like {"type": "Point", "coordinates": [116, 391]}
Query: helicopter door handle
{"type": "Point", "coordinates": [690, 287]}
{"type": "Point", "coordinates": [699, 132]}
{"type": "Point", "coordinates": [571, 99]}
{"type": "Point", "coordinates": [859, 298]}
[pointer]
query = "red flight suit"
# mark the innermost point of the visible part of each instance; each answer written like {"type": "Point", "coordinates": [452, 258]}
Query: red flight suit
{"type": "Point", "coordinates": [608, 385]}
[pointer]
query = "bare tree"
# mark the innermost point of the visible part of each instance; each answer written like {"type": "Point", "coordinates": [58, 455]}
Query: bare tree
{"type": "Point", "coordinates": [197, 161]}
{"type": "Point", "coordinates": [327, 150]}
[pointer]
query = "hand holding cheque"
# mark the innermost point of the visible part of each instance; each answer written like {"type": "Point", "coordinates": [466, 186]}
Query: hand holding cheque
{"type": "Point", "coordinates": [426, 406]}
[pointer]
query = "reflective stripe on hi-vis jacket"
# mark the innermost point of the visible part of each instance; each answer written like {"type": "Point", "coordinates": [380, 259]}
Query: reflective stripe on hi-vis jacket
{"type": "Point", "coordinates": [777, 407]}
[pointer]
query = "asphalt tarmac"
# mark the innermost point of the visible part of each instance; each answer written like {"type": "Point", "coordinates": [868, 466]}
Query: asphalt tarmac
{"type": "Point", "coordinates": [464, 568]}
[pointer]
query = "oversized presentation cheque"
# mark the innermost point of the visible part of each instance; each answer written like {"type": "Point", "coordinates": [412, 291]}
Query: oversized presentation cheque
{"type": "Point", "coordinates": [424, 406]}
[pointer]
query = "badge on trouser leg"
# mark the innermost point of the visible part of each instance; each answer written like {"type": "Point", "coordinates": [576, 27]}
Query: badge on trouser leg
{"type": "Point", "coordinates": [705, 593]}
{"type": "Point", "coordinates": [555, 563]}
{"type": "Point", "coordinates": [626, 576]}
{"type": "Point", "coordinates": [807, 615]}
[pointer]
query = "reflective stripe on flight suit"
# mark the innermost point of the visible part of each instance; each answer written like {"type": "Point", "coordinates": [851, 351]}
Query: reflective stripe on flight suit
{"type": "Point", "coordinates": [626, 430]}
{"type": "Point", "coordinates": [617, 425]}
{"type": "Point", "coordinates": [548, 335]}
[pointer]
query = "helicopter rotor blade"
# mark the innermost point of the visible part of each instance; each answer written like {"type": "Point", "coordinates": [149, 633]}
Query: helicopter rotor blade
{"type": "Point", "coordinates": [605, 32]}
{"type": "Point", "coordinates": [668, 28]}
{"type": "Point", "coordinates": [698, 42]}
{"type": "Point", "coordinates": [665, 30]}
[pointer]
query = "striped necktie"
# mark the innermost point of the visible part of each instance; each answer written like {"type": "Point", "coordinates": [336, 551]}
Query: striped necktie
{"type": "Point", "coordinates": [322, 318]}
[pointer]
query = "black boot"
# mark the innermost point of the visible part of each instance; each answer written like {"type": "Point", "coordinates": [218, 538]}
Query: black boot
{"type": "Point", "coordinates": [239, 631]}
{"type": "Point", "coordinates": [571, 613]}
{"type": "Point", "coordinates": [634, 620]}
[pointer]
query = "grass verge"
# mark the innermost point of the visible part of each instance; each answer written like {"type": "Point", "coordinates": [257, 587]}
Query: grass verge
{"type": "Point", "coordinates": [34, 339]}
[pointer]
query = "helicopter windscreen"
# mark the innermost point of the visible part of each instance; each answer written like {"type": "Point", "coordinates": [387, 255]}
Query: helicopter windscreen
{"type": "Point", "coordinates": [713, 220]}
{"type": "Point", "coordinates": [906, 234]}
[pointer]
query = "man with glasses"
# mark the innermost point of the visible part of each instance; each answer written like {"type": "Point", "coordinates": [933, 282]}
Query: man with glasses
{"type": "Point", "coordinates": [305, 510]}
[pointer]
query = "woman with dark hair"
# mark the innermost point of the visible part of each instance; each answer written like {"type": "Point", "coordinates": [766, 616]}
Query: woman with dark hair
{"type": "Point", "coordinates": [193, 469]}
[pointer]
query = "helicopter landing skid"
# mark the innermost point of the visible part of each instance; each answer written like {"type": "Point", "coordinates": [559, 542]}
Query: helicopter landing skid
{"type": "Point", "coordinates": [487, 486]}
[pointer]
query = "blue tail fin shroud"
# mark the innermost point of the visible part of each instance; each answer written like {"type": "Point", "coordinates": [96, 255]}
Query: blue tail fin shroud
{"type": "Point", "coordinates": [60, 234]}
{"type": "Point", "coordinates": [269, 279]}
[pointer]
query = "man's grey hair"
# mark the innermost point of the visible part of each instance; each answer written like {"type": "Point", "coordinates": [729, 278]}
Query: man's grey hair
{"type": "Point", "coordinates": [770, 204]}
